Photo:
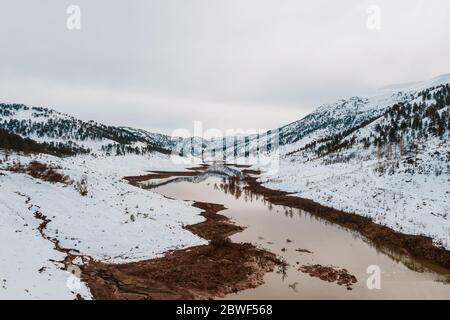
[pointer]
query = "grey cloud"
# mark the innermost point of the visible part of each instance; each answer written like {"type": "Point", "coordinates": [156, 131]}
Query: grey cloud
{"type": "Point", "coordinates": [162, 64]}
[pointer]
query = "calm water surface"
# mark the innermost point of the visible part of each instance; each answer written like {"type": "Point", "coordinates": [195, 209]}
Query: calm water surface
{"type": "Point", "coordinates": [282, 230]}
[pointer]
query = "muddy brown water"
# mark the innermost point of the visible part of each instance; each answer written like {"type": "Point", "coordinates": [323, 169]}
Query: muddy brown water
{"type": "Point", "coordinates": [283, 230]}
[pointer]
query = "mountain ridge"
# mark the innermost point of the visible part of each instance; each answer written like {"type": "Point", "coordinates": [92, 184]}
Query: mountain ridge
{"type": "Point", "coordinates": [60, 129]}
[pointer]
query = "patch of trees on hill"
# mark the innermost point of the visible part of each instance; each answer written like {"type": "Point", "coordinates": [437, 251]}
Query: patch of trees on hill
{"type": "Point", "coordinates": [326, 118]}
{"type": "Point", "coordinates": [418, 120]}
{"type": "Point", "coordinates": [46, 123]}
{"type": "Point", "coordinates": [59, 126]}
{"type": "Point", "coordinates": [122, 149]}
{"type": "Point", "coordinates": [400, 124]}
{"type": "Point", "coordinates": [14, 142]}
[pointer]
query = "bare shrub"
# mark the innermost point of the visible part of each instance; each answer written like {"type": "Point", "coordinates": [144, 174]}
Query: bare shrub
{"type": "Point", "coordinates": [41, 171]}
{"type": "Point", "coordinates": [82, 186]}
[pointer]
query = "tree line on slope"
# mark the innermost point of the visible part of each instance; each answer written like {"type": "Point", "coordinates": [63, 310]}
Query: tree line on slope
{"type": "Point", "coordinates": [14, 142]}
{"type": "Point", "coordinates": [403, 126]}
{"type": "Point", "coordinates": [47, 123]}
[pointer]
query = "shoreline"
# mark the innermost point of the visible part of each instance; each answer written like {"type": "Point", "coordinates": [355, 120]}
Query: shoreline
{"type": "Point", "coordinates": [223, 267]}
{"type": "Point", "coordinates": [416, 246]}
{"type": "Point", "coordinates": [200, 272]}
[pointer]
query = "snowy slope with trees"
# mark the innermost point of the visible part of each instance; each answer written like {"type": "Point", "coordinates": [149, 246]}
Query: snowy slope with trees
{"type": "Point", "coordinates": [75, 136]}
{"type": "Point", "coordinates": [385, 156]}
{"type": "Point", "coordinates": [390, 160]}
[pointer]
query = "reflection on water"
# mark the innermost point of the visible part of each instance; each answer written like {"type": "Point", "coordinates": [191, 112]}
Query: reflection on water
{"type": "Point", "coordinates": [233, 186]}
{"type": "Point", "coordinates": [302, 238]}
{"type": "Point", "coordinates": [151, 184]}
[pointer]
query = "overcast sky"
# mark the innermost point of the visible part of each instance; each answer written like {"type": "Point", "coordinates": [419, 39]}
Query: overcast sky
{"type": "Point", "coordinates": [162, 64]}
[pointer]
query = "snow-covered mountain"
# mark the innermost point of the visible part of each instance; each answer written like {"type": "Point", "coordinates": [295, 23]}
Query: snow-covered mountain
{"type": "Point", "coordinates": [75, 136]}
{"type": "Point", "coordinates": [366, 120]}
{"type": "Point", "coordinates": [331, 126]}
{"type": "Point", "coordinates": [386, 157]}
{"type": "Point", "coordinates": [67, 135]}
{"type": "Point", "coordinates": [370, 121]}
{"type": "Point", "coordinates": [347, 115]}
{"type": "Point", "coordinates": [340, 119]}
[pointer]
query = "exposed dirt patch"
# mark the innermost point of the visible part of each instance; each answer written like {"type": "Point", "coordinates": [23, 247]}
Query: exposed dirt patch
{"type": "Point", "coordinates": [331, 274]}
{"type": "Point", "coordinates": [420, 247]}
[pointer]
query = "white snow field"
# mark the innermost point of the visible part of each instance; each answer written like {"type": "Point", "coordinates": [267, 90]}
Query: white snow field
{"type": "Point", "coordinates": [115, 222]}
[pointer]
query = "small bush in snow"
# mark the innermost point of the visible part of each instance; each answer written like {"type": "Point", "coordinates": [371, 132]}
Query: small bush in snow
{"type": "Point", "coordinates": [81, 186]}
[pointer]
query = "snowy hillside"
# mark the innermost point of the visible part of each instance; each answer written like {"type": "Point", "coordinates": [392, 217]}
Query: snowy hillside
{"type": "Point", "coordinates": [80, 137]}
{"type": "Point", "coordinates": [326, 123]}
{"type": "Point", "coordinates": [113, 221]}
{"type": "Point", "coordinates": [385, 156]}
{"type": "Point", "coordinates": [331, 119]}
{"type": "Point", "coordinates": [389, 159]}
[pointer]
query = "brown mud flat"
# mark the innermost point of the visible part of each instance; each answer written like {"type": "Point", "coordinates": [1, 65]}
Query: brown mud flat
{"type": "Point", "coordinates": [330, 274]}
{"type": "Point", "coordinates": [200, 272]}
{"type": "Point", "coordinates": [420, 247]}
{"type": "Point", "coordinates": [216, 227]}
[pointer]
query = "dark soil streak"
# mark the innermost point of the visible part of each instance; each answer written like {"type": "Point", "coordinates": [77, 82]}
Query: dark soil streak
{"type": "Point", "coordinates": [215, 226]}
{"type": "Point", "coordinates": [330, 274]}
{"type": "Point", "coordinates": [70, 254]}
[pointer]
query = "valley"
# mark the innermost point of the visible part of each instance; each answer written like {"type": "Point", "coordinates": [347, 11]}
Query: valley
{"type": "Point", "coordinates": [299, 211]}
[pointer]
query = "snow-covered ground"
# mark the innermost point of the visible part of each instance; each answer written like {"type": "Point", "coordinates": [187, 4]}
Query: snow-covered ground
{"type": "Point", "coordinates": [28, 267]}
{"type": "Point", "coordinates": [115, 222]}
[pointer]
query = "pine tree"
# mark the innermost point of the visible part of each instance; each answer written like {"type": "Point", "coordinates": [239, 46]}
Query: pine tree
{"type": "Point", "coordinates": [416, 122]}
{"type": "Point", "coordinates": [392, 134]}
